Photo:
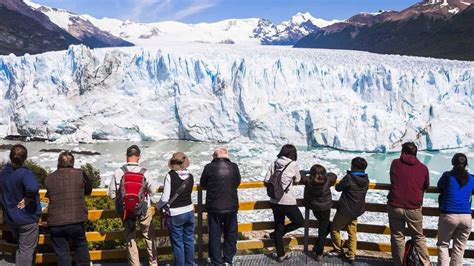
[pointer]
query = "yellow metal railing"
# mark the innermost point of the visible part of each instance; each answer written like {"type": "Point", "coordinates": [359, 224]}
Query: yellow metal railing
{"type": "Point", "coordinates": [101, 255]}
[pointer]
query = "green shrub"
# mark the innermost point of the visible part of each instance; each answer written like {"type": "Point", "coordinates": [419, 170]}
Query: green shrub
{"type": "Point", "coordinates": [92, 173]}
{"type": "Point", "coordinates": [39, 171]}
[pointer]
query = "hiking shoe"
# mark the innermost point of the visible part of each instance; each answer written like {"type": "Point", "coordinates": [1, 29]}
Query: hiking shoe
{"type": "Point", "coordinates": [336, 253]}
{"type": "Point", "coordinates": [284, 257]}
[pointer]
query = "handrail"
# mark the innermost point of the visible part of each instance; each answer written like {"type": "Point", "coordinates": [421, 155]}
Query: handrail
{"type": "Point", "coordinates": [102, 192]}
{"type": "Point", "coordinates": [243, 227]}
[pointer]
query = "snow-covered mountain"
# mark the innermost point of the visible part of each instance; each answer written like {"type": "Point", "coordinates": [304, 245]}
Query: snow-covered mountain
{"type": "Point", "coordinates": [24, 30]}
{"type": "Point", "coordinates": [242, 31]}
{"type": "Point", "coordinates": [434, 8]}
{"type": "Point", "coordinates": [342, 99]}
{"type": "Point", "coordinates": [289, 32]}
{"type": "Point", "coordinates": [80, 28]}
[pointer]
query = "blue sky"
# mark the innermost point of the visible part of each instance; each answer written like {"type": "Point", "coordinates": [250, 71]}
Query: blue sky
{"type": "Point", "coordinates": [194, 11]}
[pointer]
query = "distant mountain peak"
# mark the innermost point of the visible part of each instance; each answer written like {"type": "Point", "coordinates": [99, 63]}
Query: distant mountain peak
{"type": "Point", "coordinates": [79, 27]}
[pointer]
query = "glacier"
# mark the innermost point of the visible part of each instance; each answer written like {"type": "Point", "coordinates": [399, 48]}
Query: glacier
{"type": "Point", "coordinates": [347, 100]}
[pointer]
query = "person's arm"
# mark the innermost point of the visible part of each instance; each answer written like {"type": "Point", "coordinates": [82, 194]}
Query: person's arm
{"type": "Point", "coordinates": [239, 178]}
{"type": "Point", "coordinates": [31, 189]}
{"type": "Point", "coordinates": [443, 182]}
{"type": "Point", "coordinates": [297, 173]}
{"type": "Point", "coordinates": [332, 177]}
{"type": "Point", "coordinates": [392, 172]}
{"type": "Point", "coordinates": [344, 184]}
{"type": "Point", "coordinates": [87, 184]}
{"type": "Point", "coordinates": [304, 178]}
{"type": "Point", "coordinates": [30, 186]}
{"type": "Point", "coordinates": [151, 187]}
{"type": "Point", "coordinates": [269, 173]}
{"type": "Point", "coordinates": [203, 180]}
{"type": "Point", "coordinates": [114, 182]}
{"type": "Point", "coordinates": [46, 184]}
{"type": "Point", "coordinates": [427, 180]}
{"type": "Point", "coordinates": [165, 196]}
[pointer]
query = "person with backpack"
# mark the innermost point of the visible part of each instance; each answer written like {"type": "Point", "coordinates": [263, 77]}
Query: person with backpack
{"type": "Point", "coordinates": [67, 211]}
{"type": "Point", "coordinates": [220, 179]}
{"type": "Point", "coordinates": [318, 198]}
{"type": "Point", "coordinates": [21, 205]}
{"type": "Point", "coordinates": [351, 205]}
{"type": "Point", "coordinates": [455, 221]}
{"type": "Point", "coordinates": [281, 176]}
{"type": "Point", "coordinates": [132, 192]}
{"type": "Point", "coordinates": [409, 178]}
{"type": "Point", "coordinates": [176, 201]}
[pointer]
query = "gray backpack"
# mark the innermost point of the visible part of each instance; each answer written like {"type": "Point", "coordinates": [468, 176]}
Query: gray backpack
{"type": "Point", "coordinates": [274, 185]}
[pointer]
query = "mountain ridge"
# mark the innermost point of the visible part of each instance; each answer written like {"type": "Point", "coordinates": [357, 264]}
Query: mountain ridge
{"type": "Point", "coordinates": [242, 31]}
{"type": "Point", "coordinates": [23, 30]}
{"type": "Point", "coordinates": [426, 29]}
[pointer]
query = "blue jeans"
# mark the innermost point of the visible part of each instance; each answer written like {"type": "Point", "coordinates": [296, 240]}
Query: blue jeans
{"type": "Point", "coordinates": [182, 238]}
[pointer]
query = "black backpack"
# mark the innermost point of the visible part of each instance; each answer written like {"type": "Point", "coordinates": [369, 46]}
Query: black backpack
{"type": "Point", "coordinates": [274, 185]}
{"type": "Point", "coordinates": [411, 257]}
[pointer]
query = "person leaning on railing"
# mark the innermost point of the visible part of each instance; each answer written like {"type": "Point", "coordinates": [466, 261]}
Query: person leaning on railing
{"type": "Point", "coordinates": [351, 205]}
{"type": "Point", "coordinates": [455, 221]}
{"type": "Point", "coordinates": [176, 196]}
{"type": "Point", "coordinates": [67, 211]}
{"type": "Point", "coordinates": [220, 179]}
{"type": "Point", "coordinates": [286, 167]}
{"type": "Point", "coordinates": [21, 205]}
{"type": "Point", "coordinates": [318, 198]}
{"type": "Point", "coordinates": [409, 178]}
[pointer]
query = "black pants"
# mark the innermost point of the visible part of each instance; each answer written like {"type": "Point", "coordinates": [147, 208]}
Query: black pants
{"type": "Point", "coordinates": [60, 237]}
{"type": "Point", "coordinates": [324, 227]}
{"type": "Point", "coordinates": [279, 213]}
{"type": "Point", "coordinates": [218, 223]}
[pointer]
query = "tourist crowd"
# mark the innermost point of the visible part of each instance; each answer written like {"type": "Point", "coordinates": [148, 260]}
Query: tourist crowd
{"type": "Point", "coordinates": [132, 191]}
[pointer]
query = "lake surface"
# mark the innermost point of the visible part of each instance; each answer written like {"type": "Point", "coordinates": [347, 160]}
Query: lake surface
{"type": "Point", "coordinates": [253, 158]}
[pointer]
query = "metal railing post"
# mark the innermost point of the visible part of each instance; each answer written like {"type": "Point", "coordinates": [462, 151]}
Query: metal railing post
{"type": "Point", "coordinates": [200, 240]}
{"type": "Point", "coordinates": [306, 230]}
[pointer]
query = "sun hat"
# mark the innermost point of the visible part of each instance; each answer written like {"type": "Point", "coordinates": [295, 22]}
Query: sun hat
{"type": "Point", "coordinates": [179, 161]}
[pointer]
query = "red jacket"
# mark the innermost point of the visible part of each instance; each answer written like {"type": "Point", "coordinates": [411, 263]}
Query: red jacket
{"type": "Point", "coordinates": [409, 178]}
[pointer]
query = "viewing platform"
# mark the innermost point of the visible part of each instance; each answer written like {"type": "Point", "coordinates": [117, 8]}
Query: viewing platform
{"type": "Point", "coordinates": [252, 247]}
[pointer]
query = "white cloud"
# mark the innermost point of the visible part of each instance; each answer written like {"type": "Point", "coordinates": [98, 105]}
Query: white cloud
{"type": "Point", "coordinates": [148, 8]}
{"type": "Point", "coordinates": [196, 7]}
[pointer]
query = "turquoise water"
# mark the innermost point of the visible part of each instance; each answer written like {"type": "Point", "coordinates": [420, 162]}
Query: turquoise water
{"type": "Point", "coordinates": [253, 158]}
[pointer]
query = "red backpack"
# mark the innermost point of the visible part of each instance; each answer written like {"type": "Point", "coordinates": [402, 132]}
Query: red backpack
{"type": "Point", "coordinates": [131, 198]}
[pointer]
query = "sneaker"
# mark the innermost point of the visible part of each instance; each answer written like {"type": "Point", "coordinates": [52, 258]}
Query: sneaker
{"type": "Point", "coordinates": [335, 253]}
{"type": "Point", "coordinates": [284, 257]}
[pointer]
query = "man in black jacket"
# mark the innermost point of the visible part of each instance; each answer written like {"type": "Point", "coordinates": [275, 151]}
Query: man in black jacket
{"type": "Point", "coordinates": [354, 188]}
{"type": "Point", "coordinates": [220, 179]}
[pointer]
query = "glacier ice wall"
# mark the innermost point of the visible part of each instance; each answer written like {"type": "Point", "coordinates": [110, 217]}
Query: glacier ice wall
{"type": "Point", "coordinates": [342, 99]}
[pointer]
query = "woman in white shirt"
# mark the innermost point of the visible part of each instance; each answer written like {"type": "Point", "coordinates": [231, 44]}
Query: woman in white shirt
{"type": "Point", "coordinates": [176, 196]}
